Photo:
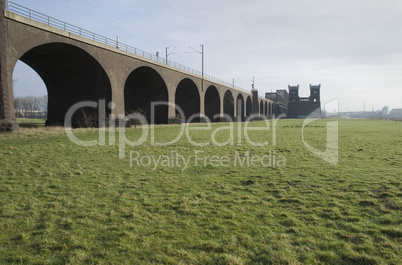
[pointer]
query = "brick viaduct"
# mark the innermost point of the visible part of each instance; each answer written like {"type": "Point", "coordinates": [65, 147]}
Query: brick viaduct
{"type": "Point", "coordinates": [75, 68]}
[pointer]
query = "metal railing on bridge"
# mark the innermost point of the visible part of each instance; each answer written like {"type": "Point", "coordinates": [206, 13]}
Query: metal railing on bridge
{"type": "Point", "coordinates": [42, 18]}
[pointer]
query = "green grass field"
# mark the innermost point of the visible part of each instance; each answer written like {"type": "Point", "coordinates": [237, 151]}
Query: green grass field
{"type": "Point", "coordinates": [31, 123]}
{"type": "Point", "coordinates": [61, 203]}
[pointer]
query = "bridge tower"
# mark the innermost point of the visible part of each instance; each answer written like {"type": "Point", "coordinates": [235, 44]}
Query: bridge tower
{"type": "Point", "coordinates": [293, 93]}
{"type": "Point", "coordinates": [315, 93]}
{"type": "Point", "coordinates": [294, 100]}
{"type": "Point", "coordinates": [7, 116]}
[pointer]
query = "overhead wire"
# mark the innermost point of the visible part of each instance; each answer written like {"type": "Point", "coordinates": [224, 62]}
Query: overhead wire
{"type": "Point", "coordinates": [124, 27]}
{"type": "Point", "coordinates": [121, 24]}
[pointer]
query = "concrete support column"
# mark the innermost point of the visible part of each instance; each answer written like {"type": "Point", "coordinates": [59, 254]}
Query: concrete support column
{"type": "Point", "coordinates": [221, 105]}
{"type": "Point", "coordinates": [3, 65]}
{"type": "Point", "coordinates": [117, 82]}
{"type": "Point", "coordinates": [172, 100]}
{"type": "Point", "coordinates": [202, 104]}
{"type": "Point", "coordinates": [6, 89]}
{"type": "Point", "coordinates": [235, 107]}
{"type": "Point", "coordinates": [118, 99]}
{"type": "Point", "coordinates": [245, 108]}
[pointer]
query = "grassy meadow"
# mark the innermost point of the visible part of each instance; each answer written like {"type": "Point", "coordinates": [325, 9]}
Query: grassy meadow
{"type": "Point", "coordinates": [31, 123]}
{"type": "Point", "coordinates": [61, 203]}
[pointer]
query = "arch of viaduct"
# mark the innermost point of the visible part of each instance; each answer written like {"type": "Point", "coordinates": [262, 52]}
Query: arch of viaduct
{"type": "Point", "coordinates": [75, 69]}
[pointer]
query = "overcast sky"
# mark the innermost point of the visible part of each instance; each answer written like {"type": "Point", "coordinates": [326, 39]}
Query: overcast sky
{"type": "Point", "coordinates": [353, 48]}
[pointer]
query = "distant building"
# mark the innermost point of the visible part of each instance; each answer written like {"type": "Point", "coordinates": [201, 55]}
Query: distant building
{"type": "Point", "coordinates": [395, 114]}
{"type": "Point", "coordinates": [385, 111]}
{"type": "Point", "coordinates": [280, 99]}
{"type": "Point", "coordinates": [299, 107]}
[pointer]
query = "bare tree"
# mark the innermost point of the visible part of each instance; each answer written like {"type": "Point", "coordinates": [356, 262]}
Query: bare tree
{"type": "Point", "coordinates": [142, 111]}
{"type": "Point", "coordinates": [30, 106]}
{"type": "Point", "coordinates": [18, 107]}
{"type": "Point", "coordinates": [42, 104]}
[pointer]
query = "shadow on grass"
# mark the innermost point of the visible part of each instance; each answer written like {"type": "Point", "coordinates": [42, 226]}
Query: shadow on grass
{"type": "Point", "coordinates": [31, 125]}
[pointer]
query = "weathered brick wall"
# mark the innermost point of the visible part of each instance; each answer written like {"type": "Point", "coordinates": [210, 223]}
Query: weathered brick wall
{"type": "Point", "coordinates": [2, 60]}
{"type": "Point", "coordinates": [7, 119]}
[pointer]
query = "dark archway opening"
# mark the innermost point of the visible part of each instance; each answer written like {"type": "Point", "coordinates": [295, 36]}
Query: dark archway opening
{"type": "Point", "coordinates": [212, 103]}
{"type": "Point", "coordinates": [143, 87]}
{"type": "Point", "coordinates": [266, 109]}
{"type": "Point", "coordinates": [228, 104]}
{"type": "Point", "coordinates": [188, 99]}
{"type": "Point", "coordinates": [249, 107]}
{"type": "Point", "coordinates": [71, 75]}
{"type": "Point", "coordinates": [269, 109]}
{"type": "Point", "coordinates": [261, 107]}
{"type": "Point", "coordinates": [240, 107]}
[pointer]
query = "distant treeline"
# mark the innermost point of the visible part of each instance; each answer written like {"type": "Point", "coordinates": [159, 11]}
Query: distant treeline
{"type": "Point", "coordinates": [30, 107]}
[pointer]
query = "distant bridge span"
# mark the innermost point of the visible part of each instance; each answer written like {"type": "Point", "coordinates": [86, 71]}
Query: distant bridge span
{"type": "Point", "coordinates": [75, 68]}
